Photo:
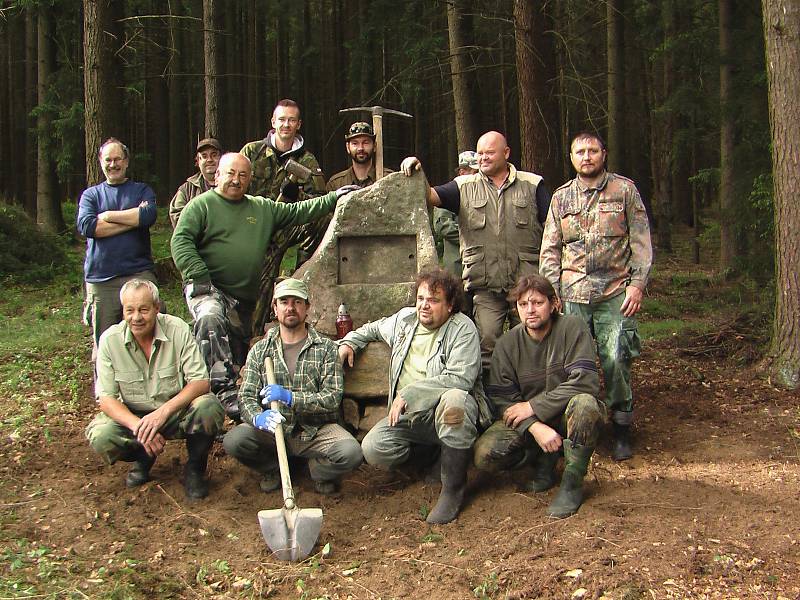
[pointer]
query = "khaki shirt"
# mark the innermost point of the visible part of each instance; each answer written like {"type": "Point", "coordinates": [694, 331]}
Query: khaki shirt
{"type": "Point", "coordinates": [124, 373]}
{"type": "Point", "coordinates": [596, 241]}
{"type": "Point", "coordinates": [348, 177]}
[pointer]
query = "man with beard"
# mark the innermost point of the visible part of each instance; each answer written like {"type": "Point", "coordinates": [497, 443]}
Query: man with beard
{"type": "Point", "coordinates": [360, 146]}
{"type": "Point", "coordinates": [206, 158]}
{"type": "Point", "coordinates": [308, 388]}
{"type": "Point", "coordinates": [435, 393]}
{"type": "Point", "coordinates": [219, 246]}
{"type": "Point", "coordinates": [115, 218]}
{"type": "Point", "coordinates": [500, 215]}
{"type": "Point", "coordinates": [544, 385]}
{"type": "Point", "coordinates": [596, 252]}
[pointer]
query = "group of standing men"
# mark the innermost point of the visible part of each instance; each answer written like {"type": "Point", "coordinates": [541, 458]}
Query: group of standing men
{"type": "Point", "coordinates": [525, 256]}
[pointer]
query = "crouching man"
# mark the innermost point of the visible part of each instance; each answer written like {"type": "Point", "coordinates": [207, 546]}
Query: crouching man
{"type": "Point", "coordinates": [435, 364]}
{"type": "Point", "coordinates": [152, 385]}
{"type": "Point", "coordinates": [544, 384]}
{"type": "Point", "coordinates": [308, 386]}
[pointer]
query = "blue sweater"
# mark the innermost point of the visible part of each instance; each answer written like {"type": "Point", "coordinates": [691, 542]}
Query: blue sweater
{"type": "Point", "coordinates": [125, 253]}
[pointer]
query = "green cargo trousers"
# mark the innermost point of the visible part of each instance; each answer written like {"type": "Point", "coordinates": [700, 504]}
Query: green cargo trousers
{"type": "Point", "coordinates": [502, 448]}
{"type": "Point", "coordinates": [618, 344]}
{"type": "Point", "coordinates": [114, 442]}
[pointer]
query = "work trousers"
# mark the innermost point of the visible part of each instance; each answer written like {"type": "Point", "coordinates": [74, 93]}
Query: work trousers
{"type": "Point", "coordinates": [502, 448]}
{"type": "Point", "coordinates": [618, 344]}
{"type": "Point", "coordinates": [451, 422]}
{"type": "Point", "coordinates": [331, 453]}
{"type": "Point", "coordinates": [491, 309]}
{"type": "Point", "coordinates": [114, 442]}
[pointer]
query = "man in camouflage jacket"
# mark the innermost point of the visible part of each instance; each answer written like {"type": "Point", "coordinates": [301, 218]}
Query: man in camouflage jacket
{"type": "Point", "coordinates": [596, 252]}
{"type": "Point", "coordinates": [207, 160]}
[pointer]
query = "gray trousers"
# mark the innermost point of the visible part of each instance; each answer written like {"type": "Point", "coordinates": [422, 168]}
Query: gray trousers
{"type": "Point", "coordinates": [491, 309]}
{"type": "Point", "coordinates": [451, 422]}
{"type": "Point", "coordinates": [331, 453]}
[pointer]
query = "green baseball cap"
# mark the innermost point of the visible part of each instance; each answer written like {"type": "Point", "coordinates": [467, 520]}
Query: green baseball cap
{"type": "Point", "coordinates": [291, 287]}
{"type": "Point", "coordinates": [359, 128]}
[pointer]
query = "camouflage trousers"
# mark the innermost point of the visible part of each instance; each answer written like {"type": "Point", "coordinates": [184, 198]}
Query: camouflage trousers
{"type": "Point", "coordinates": [222, 331]}
{"type": "Point", "coordinates": [502, 448]}
{"type": "Point", "coordinates": [331, 453]}
{"type": "Point", "coordinates": [114, 442]}
{"type": "Point", "coordinates": [451, 422]}
{"type": "Point", "coordinates": [618, 344]}
{"type": "Point", "coordinates": [490, 310]}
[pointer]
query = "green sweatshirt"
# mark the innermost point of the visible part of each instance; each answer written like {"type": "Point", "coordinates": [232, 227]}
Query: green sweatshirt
{"type": "Point", "coordinates": [225, 242]}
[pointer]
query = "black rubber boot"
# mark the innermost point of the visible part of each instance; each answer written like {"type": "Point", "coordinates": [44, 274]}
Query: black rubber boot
{"type": "Point", "coordinates": [455, 463]}
{"type": "Point", "coordinates": [622, 443]}
{"type": "Point", "coordinates": [140, 471]}
{"type": "Point", "coordinates": [195, 482]}
{"type": "Point", "coordinates": [544, 473]}
{"type": "Point", "coordinates": [570, 493]}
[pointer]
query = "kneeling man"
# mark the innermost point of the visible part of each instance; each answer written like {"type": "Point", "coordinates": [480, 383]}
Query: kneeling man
{"type": "Point", "coordinates": [435, 365]}
{"type": "Point", "coordinates": [152, 385]}
{"type": "Point", "coordinates": [544, 383]}
{"type": "Point", "coordinates": [309, 388]}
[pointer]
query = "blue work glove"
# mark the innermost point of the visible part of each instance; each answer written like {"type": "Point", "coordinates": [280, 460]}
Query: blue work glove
{"type": "Point", "coordinates": [274, 392]}
{"type": "Point", "coordinates": [268, 420]}
{"type": "Point", "coordinates": [290, 190]}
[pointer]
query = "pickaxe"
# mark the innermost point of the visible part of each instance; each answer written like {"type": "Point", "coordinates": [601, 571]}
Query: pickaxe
{"type": "Point", "coordinates": [377, 125]}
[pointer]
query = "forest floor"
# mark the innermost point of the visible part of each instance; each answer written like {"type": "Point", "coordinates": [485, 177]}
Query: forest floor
{"type": "Point", "coordinates": [708, 508]}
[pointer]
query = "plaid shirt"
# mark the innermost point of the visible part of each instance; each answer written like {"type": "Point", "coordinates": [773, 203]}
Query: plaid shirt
{"type": "Point", "coordinates": [316, 387]}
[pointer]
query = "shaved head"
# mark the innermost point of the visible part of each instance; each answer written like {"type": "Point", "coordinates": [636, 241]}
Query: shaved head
{"type": "Point", "coordinates": [493, 153]}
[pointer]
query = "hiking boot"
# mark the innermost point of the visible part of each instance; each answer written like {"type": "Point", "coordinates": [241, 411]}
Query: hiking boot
{"type": "Point", "coordinates": [326, 488]}
{"type": "Point", "coordinates": [570, 493]}
{"type": "Point", "coordinates": [455, 463]}
{"type": "Point", "coordinates": [195, 482]}
{"type": "Point", "coordinates": [140, 471]}
{"type": "Point", "coordinates": [270, 481]}
{"type": "Point", "coordinates": [622, 443]}
{"type": "Point", "coordinates": [544, 473]}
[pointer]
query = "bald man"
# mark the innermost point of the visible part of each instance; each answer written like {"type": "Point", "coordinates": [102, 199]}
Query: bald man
{"type": "Point", "coordinates": [501, 212]}
{"type": "Point", "coordinates": [219, 245]}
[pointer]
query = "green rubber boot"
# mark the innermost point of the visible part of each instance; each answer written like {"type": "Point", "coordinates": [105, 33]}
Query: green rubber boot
{"type": "Point", "coordinates": [140, 471]}
{"type": "Point", "coordinates": [570, 493]}
{"type": "Point", "coordinates": [195, 483]}
{"type": "Point", "coordinates": [544, 473]}
{"type": "Point", "coordinates": [455, 463]}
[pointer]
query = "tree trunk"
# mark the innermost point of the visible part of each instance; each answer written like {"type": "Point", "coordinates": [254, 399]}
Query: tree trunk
{"type": "Point", "coordinates": [211, 81]}
{"type": "Point", "coordinates": [48, 207]}
{"type": "Point", "coordinates": [727, 222]}
{"type": "Point", "coordinates": [28, 148]}
{"type": "Point", "coordinates": [782, 34]}
{"type": "Point", "coordinates": [616, 85]}
{"type": "Point", "coordinates": [466, 135]}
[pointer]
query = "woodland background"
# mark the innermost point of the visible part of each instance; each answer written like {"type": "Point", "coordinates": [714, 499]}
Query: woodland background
{"type": "Point", "coordinates": [680, 90]}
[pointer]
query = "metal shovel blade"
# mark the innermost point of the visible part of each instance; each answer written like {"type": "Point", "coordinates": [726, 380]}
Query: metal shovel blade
{"type": "Point", "coordinates": [290, 533]}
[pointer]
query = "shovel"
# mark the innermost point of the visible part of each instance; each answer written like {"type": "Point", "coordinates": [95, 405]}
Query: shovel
{"type": "Point", "coordinates": [290, 532]}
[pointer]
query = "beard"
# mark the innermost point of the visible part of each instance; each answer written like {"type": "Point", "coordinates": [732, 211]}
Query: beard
{"type": "Point", "coordinates": [362, 159]}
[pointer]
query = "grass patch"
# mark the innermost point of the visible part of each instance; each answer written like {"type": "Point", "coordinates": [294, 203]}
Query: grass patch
{"type": "Point", "coordinates": [653, 331]}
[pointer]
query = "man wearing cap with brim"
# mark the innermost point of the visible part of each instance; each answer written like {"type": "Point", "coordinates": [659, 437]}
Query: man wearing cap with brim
{"type": "Point", "coordinates": [308, 387]}
{"type": "Point", "coordinates": [360, 146]}
{"type": "Point", "coordinates": [207, 160]}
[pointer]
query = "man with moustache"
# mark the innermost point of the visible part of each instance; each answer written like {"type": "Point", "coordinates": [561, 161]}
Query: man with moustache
{"type": "Point", "coordinates": [206, 158]}
{"type": "Point", "coordinates": [435, 393]}
{"type": "Point", "coordinates": [596, 252]}
{"type": "Point", "coordinates": [308, 387]}
{"type": "Point", "coordinates": [544, 385]}
{"type": "Point", "coordinates": [500, 215]}
{"type": "Point", "coordinates": [359, 142]}
{"type": "Point", "coordinates": [152, 386]}
{"type": "Point", "coordinates": [115, 218]}
{"type": "Point", "coordinates": [219, 246]}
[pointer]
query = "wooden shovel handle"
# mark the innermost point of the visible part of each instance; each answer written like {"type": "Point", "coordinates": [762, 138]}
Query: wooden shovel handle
{"type": "Point", "coordinates": [280, 444]}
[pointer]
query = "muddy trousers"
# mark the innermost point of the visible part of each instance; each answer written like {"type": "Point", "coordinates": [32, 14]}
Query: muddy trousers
{"type": "Point", "coordinates": [451, 422]}
{"type": "Point", "coordinates": [222, 331]}
{"type": "Point", "coordinates": [331, 453]}
{"type": "Point", "coordinates": [114, 442]}
{"type": "Point", "coordinates": [618, 344]}
{"type": "Point", "coordinates": [490, 311]}
{"type": "Point", "coordinates": [503, 448]}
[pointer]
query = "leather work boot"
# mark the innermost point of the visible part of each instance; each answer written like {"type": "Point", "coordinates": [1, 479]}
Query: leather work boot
{"type": "Point", "coordinates": [544, 473]}
{"type": "Point", "coordinates": [622, 443]}
{"type": "Point", "coordinates": [455, 463]}
{"type": "Point", "coordinates": [140, 471]}
{"type": "Point", "coordinates": [270, 481]}
{"type": "Point", "coordinates": [195, 482]}
{"type": "Point", "coordinates": [570, 493]}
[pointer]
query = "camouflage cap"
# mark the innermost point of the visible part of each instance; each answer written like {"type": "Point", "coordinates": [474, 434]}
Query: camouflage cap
{"type": "Point", "coordinates": [357, 129]}
{"type": "Point", "coordinates": [208, 143]}
{"type": "Point", "coordinates": [291, 287]}
{"type": "Point", "coordinates": [468, 159]}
